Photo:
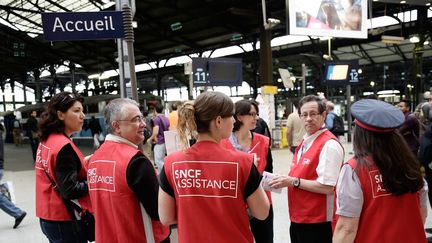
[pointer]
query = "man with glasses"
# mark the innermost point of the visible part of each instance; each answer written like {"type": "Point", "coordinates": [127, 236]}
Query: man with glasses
{"type": "Point", "coordinates": [313, 175]}
{"type": "Point", "coordinates": [122, 181]}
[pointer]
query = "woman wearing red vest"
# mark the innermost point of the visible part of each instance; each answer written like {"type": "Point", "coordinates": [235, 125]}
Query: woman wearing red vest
{"type": "Point", "coordinates": [242, 139]}
{"type": "Point", "coordinates": [60, 162]}
{"type": "Point", "coordinates": [380, 194]}
{"type": "Point", "coordinates": [204, 188]}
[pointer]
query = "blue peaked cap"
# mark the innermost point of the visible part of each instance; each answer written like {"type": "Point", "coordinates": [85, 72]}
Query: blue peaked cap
{"type": "Point", "coordinates": [377, 115]}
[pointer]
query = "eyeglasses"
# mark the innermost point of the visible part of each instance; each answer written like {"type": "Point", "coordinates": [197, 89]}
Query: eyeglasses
{"type": "Point", "coordinates": [312, 115]}
{"type": "Point", "coordinates": [254, 114]}
{"type": "Point", "coordinates": [136, 119]}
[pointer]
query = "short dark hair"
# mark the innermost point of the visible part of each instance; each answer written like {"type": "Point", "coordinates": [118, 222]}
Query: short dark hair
{"type": "Point", "coordinates": [310, 98]}
{"type": "Point", "coordinates": [242, 107]}
{"type": "Point", "coordinates": [174, 106]}
{"type": "Point", "coordinates": [49, 119]}
{"type": "Point", "coordinates": [407, 103]}
{"type": "Point", "coordinates": [159, 108]}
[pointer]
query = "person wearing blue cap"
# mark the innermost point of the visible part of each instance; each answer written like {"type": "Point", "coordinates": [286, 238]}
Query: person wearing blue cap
{"type": "Point", "coordinates": [382, 183]}
{"type": "Point", "coordinates": [313, 174]}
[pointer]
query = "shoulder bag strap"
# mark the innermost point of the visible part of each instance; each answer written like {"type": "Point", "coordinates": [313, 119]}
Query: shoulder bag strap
{"type": "Point", "coordinates": [70, 206]}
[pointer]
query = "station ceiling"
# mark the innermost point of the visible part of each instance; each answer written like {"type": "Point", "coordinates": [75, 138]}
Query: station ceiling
{"type": "Point", "coordinates": [205, 25]}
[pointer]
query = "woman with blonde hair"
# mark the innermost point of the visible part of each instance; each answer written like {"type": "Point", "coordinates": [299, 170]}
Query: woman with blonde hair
{"type": "Point", "coordinates": [204, 188]}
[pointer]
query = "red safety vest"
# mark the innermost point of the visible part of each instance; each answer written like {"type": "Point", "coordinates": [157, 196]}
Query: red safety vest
{"type": "Point", "coordinates": [259, 146]}
{"type": "Point", "coordinates": [209, 182]}
{"type": "Point", "coordinates": [305, 206]}
{"type": "Point", "coordinates": [49, 204]}
{"type": "Point", "coordinates": [119, 215]}
{"type": "Point", "coordinates": [386, 217]}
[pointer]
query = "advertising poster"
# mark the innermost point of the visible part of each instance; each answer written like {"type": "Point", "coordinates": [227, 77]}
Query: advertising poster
{"type": "Point", "coordinates": [332, 18]}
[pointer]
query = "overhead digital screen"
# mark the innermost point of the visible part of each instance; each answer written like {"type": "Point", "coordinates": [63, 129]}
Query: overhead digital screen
{"type": "Point", "coordinates": [336, 18]}
{"type": "Point", "coordinates": [337, 72]}
{"type": "Point", "coordinates": [217, 71]}
{"type": "Point", "coordinates": [341, 73]}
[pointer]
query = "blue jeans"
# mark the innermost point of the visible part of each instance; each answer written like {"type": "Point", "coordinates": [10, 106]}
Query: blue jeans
{"type": "Point", "coordinates": [7, 205]}
{"type": "Point", "coordinates": [60, 231]}
{"type": "Point", "coordinates": [159, 151]}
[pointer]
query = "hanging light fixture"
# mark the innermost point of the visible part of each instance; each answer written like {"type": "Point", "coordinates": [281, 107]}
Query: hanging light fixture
{"type": "Point", "coordinates": [414, 38]}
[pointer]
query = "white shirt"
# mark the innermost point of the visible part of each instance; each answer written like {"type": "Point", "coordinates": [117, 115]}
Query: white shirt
{"type": "Point", "coordinates": [330, 159]}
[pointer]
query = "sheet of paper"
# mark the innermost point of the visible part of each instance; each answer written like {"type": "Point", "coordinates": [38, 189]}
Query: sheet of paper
{"type": "Point", "coordinates": [172, 141]}
{"type": "Point", "coordinates": [267, 177]}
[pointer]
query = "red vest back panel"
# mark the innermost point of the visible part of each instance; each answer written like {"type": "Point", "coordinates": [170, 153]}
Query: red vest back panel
{"type": "Point", "coordinates": [119, 215]}
{"type": "Point", "coordinates": [209, 182]}
{"type": "Point", "coordinates": [386, 217]}
{"type": "Point", "coordinates": [49, 204]}
{"type": "Point", "coordinates": [305, 206]}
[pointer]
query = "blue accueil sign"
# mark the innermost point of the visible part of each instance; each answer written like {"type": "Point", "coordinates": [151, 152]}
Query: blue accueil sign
{"type": "Point", "coordinates": [82, 25]}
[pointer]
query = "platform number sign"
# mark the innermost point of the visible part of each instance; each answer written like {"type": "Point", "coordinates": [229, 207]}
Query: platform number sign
{"type": "Point", "coordinates": [200, 76]}
{"type": "Point", "coordinates": [199, 71]}
{"type": "Point", "coordinates": [354, 76]}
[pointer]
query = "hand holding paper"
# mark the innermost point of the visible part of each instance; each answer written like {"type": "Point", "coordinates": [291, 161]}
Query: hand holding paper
{"type": "Point", "coordinates": [279, 181]}
{"type": "Point", "coordinates": [267, 178]}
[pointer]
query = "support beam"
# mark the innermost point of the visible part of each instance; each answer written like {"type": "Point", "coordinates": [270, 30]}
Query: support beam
{"type": "Point", "coordinates": [266, 61]}
{"type": "Point", "coordinates": [399, 52]}
{"type": "Point", "coordinates": [365, 54]}
{"type": "Point", "coordinates": [58, 5]}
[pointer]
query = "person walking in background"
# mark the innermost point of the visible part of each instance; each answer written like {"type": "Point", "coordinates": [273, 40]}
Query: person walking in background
{"type": "Point", "coordinates": [133, 184]}
{"type": "Point", "coordinates": [313, 174]}
{"type": "Point", "coordinates": [160, 124]}
{"type": "Point", "coordinates": [33, 132]}
{"type": "Point", "coordinates": [295, 129]}
{"type": "Point", "coordinates": [96, 130]}
{"type": "Point", "coordinates": [147, 146]}
{"type": "Point", "coordinates": [423, 114]}
{"type": "Point", "coordinates": [17, 132]}
{"type": "Point", "coordinates": [242, 139]}
{"type": "Point", "coordinates": [410, 129]}
{"type": "Point", "coordinates": [380, 195]}
{"type": "Point", "coordinates": [59, 161]}
{"type": "Point", "coordinates": [203, 211]}
{"type": "Point", "coordinates": [330, 115]}
{"type": "Point", "coordinates": [173, 116]}
{"type": "Point", "coordinates": [425, 159]}
{"type": "Point", "coordinates": [6, 205]}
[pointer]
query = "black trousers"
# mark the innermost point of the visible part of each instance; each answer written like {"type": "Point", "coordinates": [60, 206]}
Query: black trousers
{"type": "Point", "coordinates": [34, 143]}
{"type": "Point", "coordinates": [262, 230]}
{"type": "Point", "coordinates": [311, 233]}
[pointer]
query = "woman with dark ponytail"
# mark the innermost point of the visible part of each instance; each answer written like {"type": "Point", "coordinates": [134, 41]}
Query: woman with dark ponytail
{"type": "Point", "coordinates": [380, 194]}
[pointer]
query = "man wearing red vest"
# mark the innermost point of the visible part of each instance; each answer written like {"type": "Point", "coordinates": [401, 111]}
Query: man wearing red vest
{"type": "Point", "coordinates": [122, 181]}
{"type": "Point", "coordinates": [312, 177]}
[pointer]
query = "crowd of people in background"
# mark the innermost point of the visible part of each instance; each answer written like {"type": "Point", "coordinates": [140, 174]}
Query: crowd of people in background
{"type": "Point", "coordinates": [215, 181]}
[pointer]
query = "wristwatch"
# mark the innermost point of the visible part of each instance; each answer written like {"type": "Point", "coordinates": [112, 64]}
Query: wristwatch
{"type": "Point", "coordinates": [296, 182]}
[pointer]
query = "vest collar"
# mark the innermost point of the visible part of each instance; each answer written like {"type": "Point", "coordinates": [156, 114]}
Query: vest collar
{"type": "Point", "coordinates": [118, 139]}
